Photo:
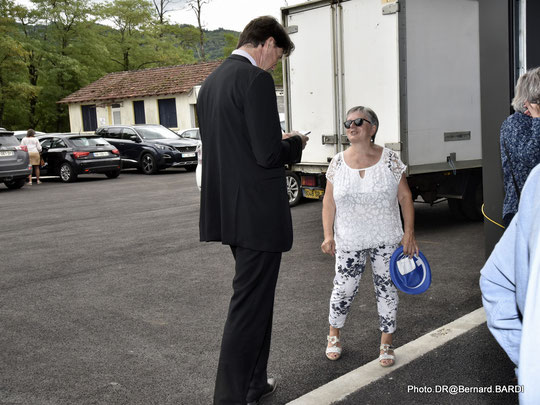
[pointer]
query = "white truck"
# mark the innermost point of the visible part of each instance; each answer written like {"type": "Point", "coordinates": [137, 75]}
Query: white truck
{"type": "Point", "coordinates": [416, 63]}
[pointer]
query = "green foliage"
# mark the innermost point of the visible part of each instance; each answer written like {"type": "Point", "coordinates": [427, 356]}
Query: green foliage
{"type": "Point", "coordinates": [277, 74]}
{"type": "Point", "coordinates": [231, 40]}
{"type": "Point", "coordinates": [216, 42]}
{"type": "Point", "coordinates": [61, 46]}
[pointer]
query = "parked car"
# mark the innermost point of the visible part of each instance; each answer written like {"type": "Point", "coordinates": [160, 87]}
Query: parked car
{"type": "Point", "coordinates": [198, 172]}
{"type": "Point", "coordinates": [21, 134]}
{"type": "Point", "coordinates": [191, 133]}
{"type": "Point", "coordinates": [151, 148]}
{"type": "Point", "coordinates": [69, 155]}
{"type": "Point", "coordinates": [14, 161]}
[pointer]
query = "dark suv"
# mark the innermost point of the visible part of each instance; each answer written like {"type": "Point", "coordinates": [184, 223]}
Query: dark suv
{"type": "Point", "coordinates": [151, 148]}
{"type": "Point", "coordinates": [14, 161]}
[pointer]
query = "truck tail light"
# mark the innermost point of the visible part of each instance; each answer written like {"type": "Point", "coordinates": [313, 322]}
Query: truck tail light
{"type": "Point", "coordinates": [115, 151]}
{"type": "Point", "coordinates": [309, 181]}
{"type": "Point", "coordinates": [23, 148]}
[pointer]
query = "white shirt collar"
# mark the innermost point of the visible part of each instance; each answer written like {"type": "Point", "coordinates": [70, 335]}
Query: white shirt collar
{"type": "Point", "coordinates": [243, 53]}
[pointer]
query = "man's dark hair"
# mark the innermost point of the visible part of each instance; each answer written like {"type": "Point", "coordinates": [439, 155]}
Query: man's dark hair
{"type": "Point", "coordinates": [260, 29]}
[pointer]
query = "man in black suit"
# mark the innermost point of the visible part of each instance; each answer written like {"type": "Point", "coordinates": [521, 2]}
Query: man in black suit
{"type": "Point", "coordinates": [244, 200]}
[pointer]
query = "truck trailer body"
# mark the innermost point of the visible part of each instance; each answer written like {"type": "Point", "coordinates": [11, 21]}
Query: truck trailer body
{"type": "Point", "coordinates": [416, 63]}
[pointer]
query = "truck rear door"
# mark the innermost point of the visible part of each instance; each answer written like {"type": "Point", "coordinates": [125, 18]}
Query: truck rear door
{"type": "Point", "coordinates": [311, 78]}
{"type": "Point", "coordinates": [346, 54]}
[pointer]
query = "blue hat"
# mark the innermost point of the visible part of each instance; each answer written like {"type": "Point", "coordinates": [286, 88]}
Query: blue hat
{"type": "Point", "coordinates": [410, 275]}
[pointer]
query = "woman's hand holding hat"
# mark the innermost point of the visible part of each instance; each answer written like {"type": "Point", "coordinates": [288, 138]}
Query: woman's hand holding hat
{"type": "Point", "coordinates": [410, 247]}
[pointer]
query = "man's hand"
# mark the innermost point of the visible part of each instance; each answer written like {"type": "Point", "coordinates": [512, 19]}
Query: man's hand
{"type": "Point", "coordinates": [304, 138]}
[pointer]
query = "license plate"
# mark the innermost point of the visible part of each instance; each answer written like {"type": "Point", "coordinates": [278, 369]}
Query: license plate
{"type": "Point", "coordinates": [313, 193]}
{"type": "Point", "coordinates": [6, 153]}
{"type": "Point", "coordinates": [187, 155]}
{"type": "Point", "coordinates": [101, 154]}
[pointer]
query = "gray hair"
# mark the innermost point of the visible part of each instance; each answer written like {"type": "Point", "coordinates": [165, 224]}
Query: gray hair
{"type": "Point", "coordinates": [527, 89]}
{"type": "Point", "coordinates": [372, 117]}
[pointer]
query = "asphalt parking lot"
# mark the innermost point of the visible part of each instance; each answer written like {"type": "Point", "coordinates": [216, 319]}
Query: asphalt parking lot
{"type": "Point", "coordinates": [108, 297]}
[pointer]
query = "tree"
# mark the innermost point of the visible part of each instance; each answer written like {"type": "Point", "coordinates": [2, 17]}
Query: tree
{"type": "Point", "coordinates": [164, 6]}
{"type": "Point", "coordinates": [196, 6]}
{"type": "Point", "coordinates": [167, 45]}
{"type": "Point", "coordinates": [14, 88]}
{"type": "Point", "coordinates": [231, 41]}
{"type": "Point", "coordinates": [131, 18]}
{"type": "Point", "coordinates": [33, 57]}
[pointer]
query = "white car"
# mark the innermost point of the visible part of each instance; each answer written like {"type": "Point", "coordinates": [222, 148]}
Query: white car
{"type": "Point", "coordinates": [190, 133]}
{"type": "Point", "coordinates": [198, 170]}
{"type": "Point", "coordinates": [193, 133]}
{"type": "Point", "coordinates": [21, 134]}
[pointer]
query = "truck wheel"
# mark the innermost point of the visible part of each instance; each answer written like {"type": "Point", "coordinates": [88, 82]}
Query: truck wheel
{"type": "Point", "coordinates": [15, 184]}
{"type": "Point", "coordinates": [456, 210]}
{"type": "Point", "coordinates": [294, 191]}
{"type": "Point", "coordinates": [472, 200]}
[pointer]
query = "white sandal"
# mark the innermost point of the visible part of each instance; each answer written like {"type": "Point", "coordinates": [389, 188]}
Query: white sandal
{"type": "Point", "coordinates": [385, 347]}
{"type": "Point", "coordinates": [334, 340]}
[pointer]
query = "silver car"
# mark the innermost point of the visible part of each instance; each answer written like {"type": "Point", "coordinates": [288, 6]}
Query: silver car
{"type": "Point", "coordinates": [14, 161]}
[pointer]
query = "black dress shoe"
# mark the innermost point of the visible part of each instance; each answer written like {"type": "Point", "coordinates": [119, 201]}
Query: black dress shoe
{"type": "Point", "coordinates": [271, 386]}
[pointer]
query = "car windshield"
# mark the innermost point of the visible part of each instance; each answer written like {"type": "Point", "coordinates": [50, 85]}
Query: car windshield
{"type": "Point", "coordinates": [89, 141]}
{"type": "Point", "coordinates": [156, 133]}
{"type": "Point", "coordinates": [8, 140]}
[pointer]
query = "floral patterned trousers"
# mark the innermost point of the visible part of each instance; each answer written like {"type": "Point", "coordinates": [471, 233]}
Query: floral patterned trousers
{"type": "Point", "coordinates": [349, 269]}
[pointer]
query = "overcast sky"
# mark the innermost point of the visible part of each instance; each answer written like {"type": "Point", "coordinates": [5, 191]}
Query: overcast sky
{"type": "Point", "coordinates": [229, 14]}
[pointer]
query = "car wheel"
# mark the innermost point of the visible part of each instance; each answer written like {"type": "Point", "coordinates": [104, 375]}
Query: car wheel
{"type": "Point", "coordinates": [148, 164]}
{"type": "Point", "coordinates": [113, 174]}
{"type": "Point", "coordinates": [293, 188]}
{"type": "Point", "coordinates": [15, 184]}
{"type": "Point", "coordinates": [191, 168]}
{"type": "Point", "coordinates": [67, 174]}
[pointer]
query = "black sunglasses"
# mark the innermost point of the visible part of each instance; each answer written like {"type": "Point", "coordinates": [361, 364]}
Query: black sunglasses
{"type": "Point", "coordinates": [358, 122]}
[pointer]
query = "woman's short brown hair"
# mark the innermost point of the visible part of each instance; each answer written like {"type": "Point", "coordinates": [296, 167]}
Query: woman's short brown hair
{"type": "Point", "coordinates": [30, 132]}
{"type": "Point", "coordinates": [260, 29]}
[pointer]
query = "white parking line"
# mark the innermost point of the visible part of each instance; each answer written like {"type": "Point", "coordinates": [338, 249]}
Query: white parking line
{"type": "Point", "coordinates": [345, 385]}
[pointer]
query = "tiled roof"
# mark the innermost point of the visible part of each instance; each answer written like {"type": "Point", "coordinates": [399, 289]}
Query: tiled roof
{"type": "Point", "coordinates": [141, 83]}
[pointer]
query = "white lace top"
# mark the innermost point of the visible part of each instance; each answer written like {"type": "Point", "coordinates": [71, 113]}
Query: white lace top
{"type": "Point", "coordinates": [32, 144]}
{"type": "Point", "coordinates": [367, 209]}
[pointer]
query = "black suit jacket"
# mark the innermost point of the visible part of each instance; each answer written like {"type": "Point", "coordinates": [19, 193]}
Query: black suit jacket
{"type": "Point", "coordinates": [244, 197]}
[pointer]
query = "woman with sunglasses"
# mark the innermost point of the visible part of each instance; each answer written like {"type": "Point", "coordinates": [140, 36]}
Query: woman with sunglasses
{"type": "Point", "coordinates": [361, 219]}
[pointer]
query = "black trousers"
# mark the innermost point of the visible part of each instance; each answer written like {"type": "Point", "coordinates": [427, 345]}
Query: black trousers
{"type": "Point", "coordinates": [245, 347]}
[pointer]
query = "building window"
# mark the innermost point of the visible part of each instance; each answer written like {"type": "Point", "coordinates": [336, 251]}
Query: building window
{"type": "Point", "coordinates": [116, 114]}
{"type": "Point", "coordinates": [89, 117]}
{"type": "Point", "coordinates": [138, 109]}
{"type": "Point", "coordinates": [167, 112]}
{"type": "Point", "coordinates": [194, 116]}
